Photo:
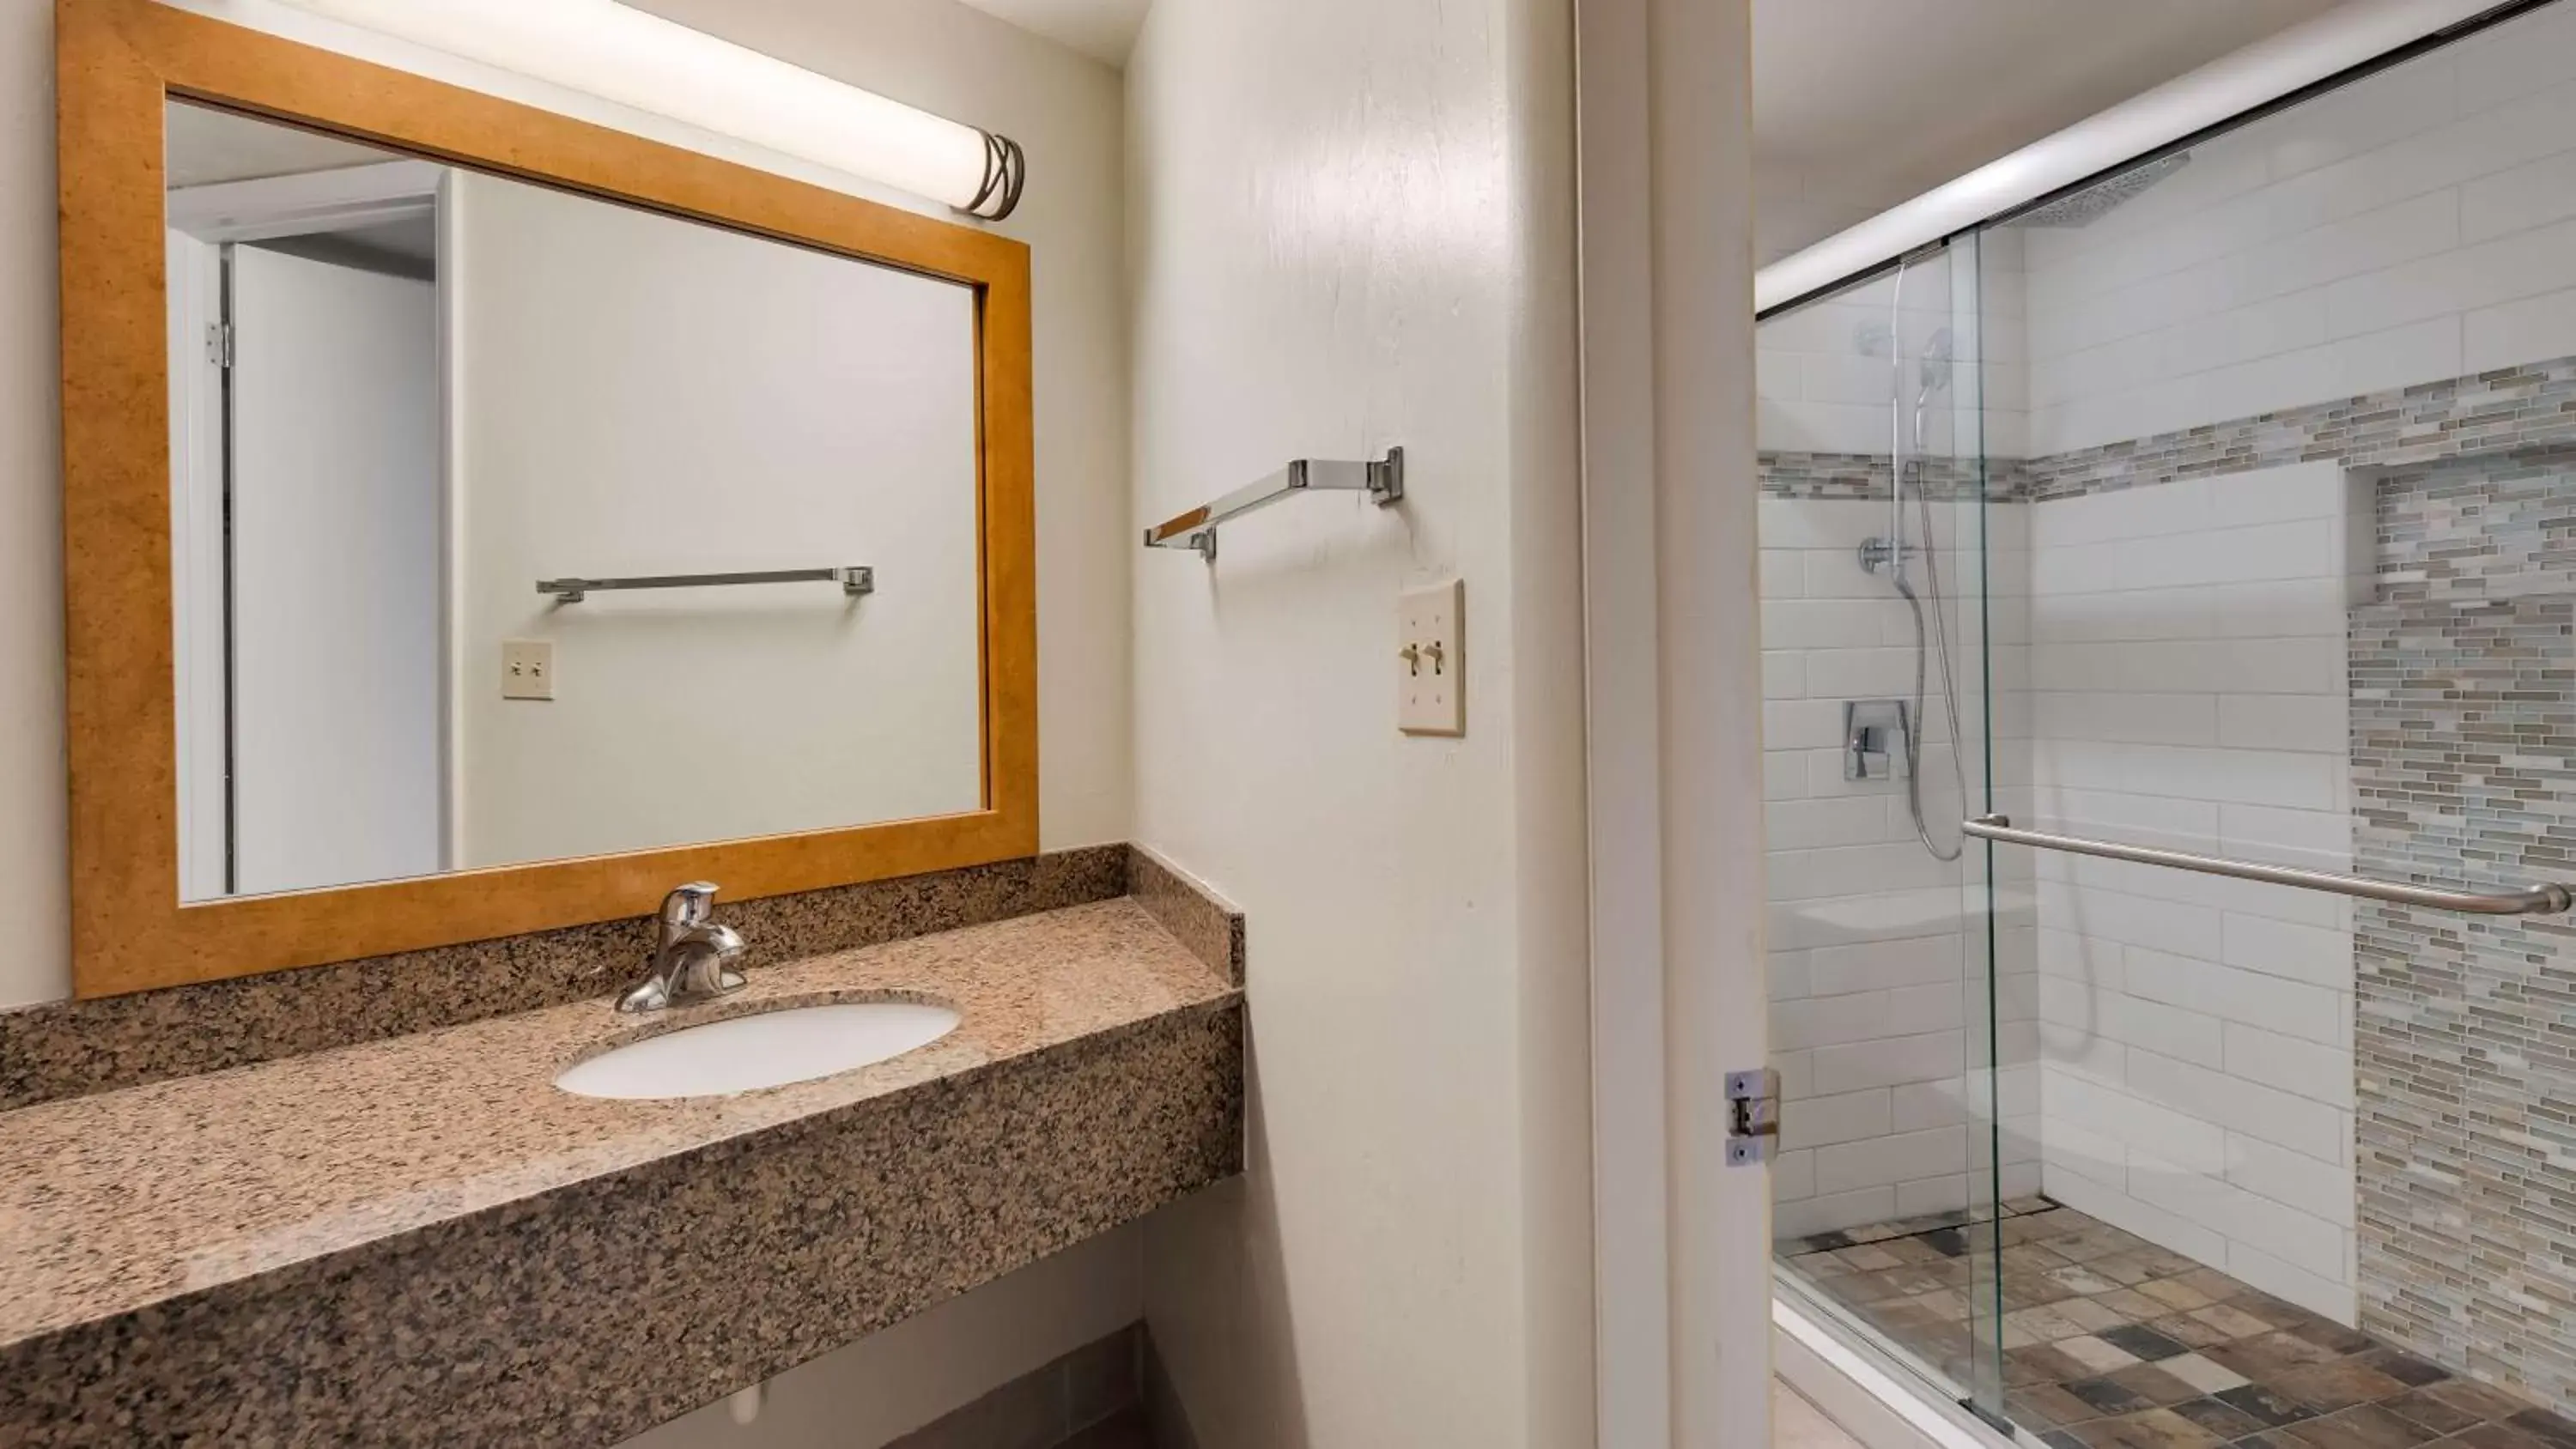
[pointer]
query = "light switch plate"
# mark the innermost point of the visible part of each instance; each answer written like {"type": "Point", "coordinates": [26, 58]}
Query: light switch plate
{"type": "Point", "coordinates": [527, 669]}
{"type": "Point", "coordinates": [1431, 661]}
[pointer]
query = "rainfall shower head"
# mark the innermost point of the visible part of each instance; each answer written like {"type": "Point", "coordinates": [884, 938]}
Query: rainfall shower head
{"type": "Point", "coordinates": [2089, 205]}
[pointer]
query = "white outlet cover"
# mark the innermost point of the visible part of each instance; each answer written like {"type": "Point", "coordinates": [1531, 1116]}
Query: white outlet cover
{"type": "Point", "coordinates": [1431, 660]}
{"type": "Point", "coordinates": [527, 669]}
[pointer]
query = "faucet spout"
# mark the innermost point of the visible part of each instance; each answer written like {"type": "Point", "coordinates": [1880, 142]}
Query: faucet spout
{"type": "Point", "coordinates": [693, 959]}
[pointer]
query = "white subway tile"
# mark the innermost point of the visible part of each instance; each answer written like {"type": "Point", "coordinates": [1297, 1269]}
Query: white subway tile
{"type": "Point", "coordinates": [1788, 979]}
{"type": "Point", "coordinates": [1825, 623]}
{"type": "Point", "coordinates": [2320, 723]}
{"type": "Point", "coordinates": [2277, 1229]}
{"type": "Point", "coordinates": [1922, 1106]}
{"type": "Point", "coordinates": [2320, 1072]}
{"type": "Point", "coordinates": [1891, 1159]}
{"type": "Point", "coordinates": [1784, 573]}
{"type": "Point", "coordinates": [1802, 824]}
{"type": "Point", "coordinates": [2280, 1118]}
{"type": "Point", "coordinates": [1784, 774]}
{"type": "Point", "coordinates": [1829, 1213]}
{"type": "Point", "coordinates": [2336, 1300]}
{"type": "Point", "coordinates": [1793, 1178]}
{"type": "Point", "coordinates": [2525, 330]}
{"type": "Point", "coordinates": [1797, 1073]}
{"type": "Point", "coordinates": [2322, 1190]}
{"type": "Point", "coordinates": [1947, 1193]}
{"type": "Point", "coordinates": [1881, 965]}
{"type": "Point", "coordinates": [2293, 1008]}
{"type": "Point", "coordinates": [1784, 674]}
{"type": "Point", "coordinates": [1845, 1117]}
{"type": "Point", "coordinates": [2169, 1031]}
{"type": "Point", "coordinates": [1931, 1056]}
{"type": "Point", "coordinates": [2317, 955]}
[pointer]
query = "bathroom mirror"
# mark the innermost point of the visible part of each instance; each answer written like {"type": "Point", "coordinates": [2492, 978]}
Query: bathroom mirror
{"type": "Point", "coordinates": [505, 518]}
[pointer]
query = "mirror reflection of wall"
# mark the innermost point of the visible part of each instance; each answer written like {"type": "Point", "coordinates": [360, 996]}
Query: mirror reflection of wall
{"type": "Point", "coordinates": [404, 394]}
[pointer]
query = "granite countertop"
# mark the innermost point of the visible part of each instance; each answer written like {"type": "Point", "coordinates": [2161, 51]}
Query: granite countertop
{"type": "Point", "coordinates": [117, 1203]}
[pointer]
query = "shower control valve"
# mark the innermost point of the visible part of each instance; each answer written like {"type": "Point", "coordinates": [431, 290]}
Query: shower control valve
{"type": "Point", "coordinates": [1875, 739]}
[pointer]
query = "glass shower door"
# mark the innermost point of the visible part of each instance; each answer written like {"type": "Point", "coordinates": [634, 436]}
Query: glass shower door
{"type": "Point", "coordinates": [1881, 641]}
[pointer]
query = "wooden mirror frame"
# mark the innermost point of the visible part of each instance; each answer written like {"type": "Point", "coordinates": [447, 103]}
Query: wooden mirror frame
{"type": "Point", "coordinates": [117, 64]}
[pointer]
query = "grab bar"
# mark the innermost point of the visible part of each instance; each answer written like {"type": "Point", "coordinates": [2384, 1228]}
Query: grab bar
{"type": "Point", "coordinates": [854, 579]}
{"type": "Point", "coordinates": [2539, 900]}
{"type": "Point", "coordinates": [1382, 479]}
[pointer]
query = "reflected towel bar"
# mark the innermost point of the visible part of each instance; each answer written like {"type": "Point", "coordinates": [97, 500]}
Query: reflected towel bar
{"type": "Point", "coordinates": [1382, 480]}
{"type": "Point", "coordinates": [2539, 900]}
{"type": "Point", "coordinates": [854, 579]}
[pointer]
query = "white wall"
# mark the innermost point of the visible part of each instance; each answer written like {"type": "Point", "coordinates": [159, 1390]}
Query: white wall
{"type": "Point", "coordinates": [32, 800]}
{"type": "Point", "coordinates": [1879, 950]}
{"type": "Point", "coordinates": [2190, 691]}
{"type": "Point", "coordinates": [618, 378]}
{"type": "Point", "coordinates": [2418, 225]}
{"type": "Point", "coordinates": [1351, 227]}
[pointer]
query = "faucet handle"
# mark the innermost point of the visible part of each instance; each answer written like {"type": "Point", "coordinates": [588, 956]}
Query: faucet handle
{"type": "Point", "coordinates": [689, 905]}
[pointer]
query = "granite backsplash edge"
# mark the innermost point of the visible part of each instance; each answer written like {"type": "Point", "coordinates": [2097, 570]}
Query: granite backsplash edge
{"type": "Point", "coordinates": [62, 1049]}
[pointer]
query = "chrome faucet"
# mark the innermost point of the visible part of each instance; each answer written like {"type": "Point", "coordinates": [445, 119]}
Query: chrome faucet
{"type": "Point", "coordinates": [693, 957]}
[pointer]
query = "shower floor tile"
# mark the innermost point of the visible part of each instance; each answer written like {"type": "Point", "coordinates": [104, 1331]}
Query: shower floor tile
{"type": "Point", "coordinates": [2113, 1343]}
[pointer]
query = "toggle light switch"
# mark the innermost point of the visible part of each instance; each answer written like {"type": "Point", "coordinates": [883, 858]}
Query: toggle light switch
{"type": "Point", "coordinates": [527, 669]}
{"type": "Point", "coordinates": [1431, 679]}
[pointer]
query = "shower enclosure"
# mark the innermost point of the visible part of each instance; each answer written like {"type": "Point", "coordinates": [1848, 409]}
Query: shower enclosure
{"type": "Point", "coordinates": [2169, 597]}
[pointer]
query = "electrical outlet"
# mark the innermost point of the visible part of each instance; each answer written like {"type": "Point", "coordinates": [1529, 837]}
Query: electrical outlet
{"type": "Point", "coordinates": [1431, 662]}
{"type": "Point", "coordinates": [527, 669]}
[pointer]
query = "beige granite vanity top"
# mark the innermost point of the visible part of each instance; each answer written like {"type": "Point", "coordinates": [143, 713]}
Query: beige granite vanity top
{"type": "Point", "coordinates": [118, 1201]}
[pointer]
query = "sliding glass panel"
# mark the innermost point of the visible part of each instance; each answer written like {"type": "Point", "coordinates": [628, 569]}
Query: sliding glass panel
{"type": "Point", "coordinates": [1876, 621]}
{"type": "Point", "coordinates": [2290, 434]}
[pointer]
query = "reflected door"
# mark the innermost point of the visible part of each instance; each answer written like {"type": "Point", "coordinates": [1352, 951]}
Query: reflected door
{"type": "Point", "coordinates": [335, 551]}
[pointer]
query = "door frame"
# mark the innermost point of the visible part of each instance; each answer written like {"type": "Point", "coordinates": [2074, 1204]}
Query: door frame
{"type": "Point", "coordinates": [1673, 705]}
{"type": "Point", "coordinates": [214, 215]}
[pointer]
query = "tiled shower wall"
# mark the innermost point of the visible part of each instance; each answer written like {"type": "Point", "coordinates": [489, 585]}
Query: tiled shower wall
{"type": "Point", "coordinates": [2462, 688]}
{"type": "Point", "coordinates": [2464, 720]}
{"type": "Point", "coordinates": [1878, 961]}
{"type": "Point", "coordinates": [2188, 691]}
{"type": "Point", "coordinates": [2418, 226]}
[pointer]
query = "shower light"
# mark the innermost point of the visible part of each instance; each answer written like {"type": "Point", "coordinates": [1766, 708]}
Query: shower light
{"type": "Point", "coordinates": [621, 54]}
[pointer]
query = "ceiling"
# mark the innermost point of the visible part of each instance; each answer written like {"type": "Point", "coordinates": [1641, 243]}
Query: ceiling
{"type": "Point", "coordinates": [207, 145]}
{"type": "Point", "coordinates": [1105, 30]}
{"type": "Point", "coordinates": [1861, 104]}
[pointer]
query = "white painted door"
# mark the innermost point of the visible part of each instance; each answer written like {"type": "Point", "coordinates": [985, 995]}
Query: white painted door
{"type": "Point", "coordinates": [336, 565]}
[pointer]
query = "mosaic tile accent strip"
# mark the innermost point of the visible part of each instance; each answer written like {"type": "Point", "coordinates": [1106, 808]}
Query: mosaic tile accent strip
{"type": "Point", "coordinates": [2110, 1342]}
{"type": "Point", "coordinates": [2510, 408]}
{"type": "Point", "coordinates": [2464, 758]}
{"type": "Point", "coordinates": [1862, 476]}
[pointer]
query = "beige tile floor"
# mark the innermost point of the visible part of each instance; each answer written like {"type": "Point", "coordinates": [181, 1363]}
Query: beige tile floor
{"type": "Point", "coordinates": [1797, 1424]}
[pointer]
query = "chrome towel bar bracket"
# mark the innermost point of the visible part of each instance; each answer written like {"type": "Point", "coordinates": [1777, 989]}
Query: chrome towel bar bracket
{"type": "Point", "coordinates": [855, 580]}
{"type": "Point", "coordinates": [1382, 480]}
{"type": "Point", "coordinates": [2539, 900]}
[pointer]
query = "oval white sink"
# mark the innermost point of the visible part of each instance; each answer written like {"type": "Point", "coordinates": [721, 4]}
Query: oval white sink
{"type": "Point", "coordinates": [767, 1049]}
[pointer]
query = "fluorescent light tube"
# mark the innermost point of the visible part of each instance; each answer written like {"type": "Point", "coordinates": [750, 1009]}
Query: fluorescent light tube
{"type": "Point", "coordinates": [620, 54]}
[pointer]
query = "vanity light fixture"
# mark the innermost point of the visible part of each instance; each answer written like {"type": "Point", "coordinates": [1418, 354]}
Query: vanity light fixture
{"type": "Point", "coordinates": [621, 54]}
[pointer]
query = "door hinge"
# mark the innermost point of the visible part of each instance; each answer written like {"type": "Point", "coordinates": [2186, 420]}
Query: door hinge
{"type": "Point", "coordinates": [219, 343]}
{"type": "Point", "coordinates": [1753, 1116]}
